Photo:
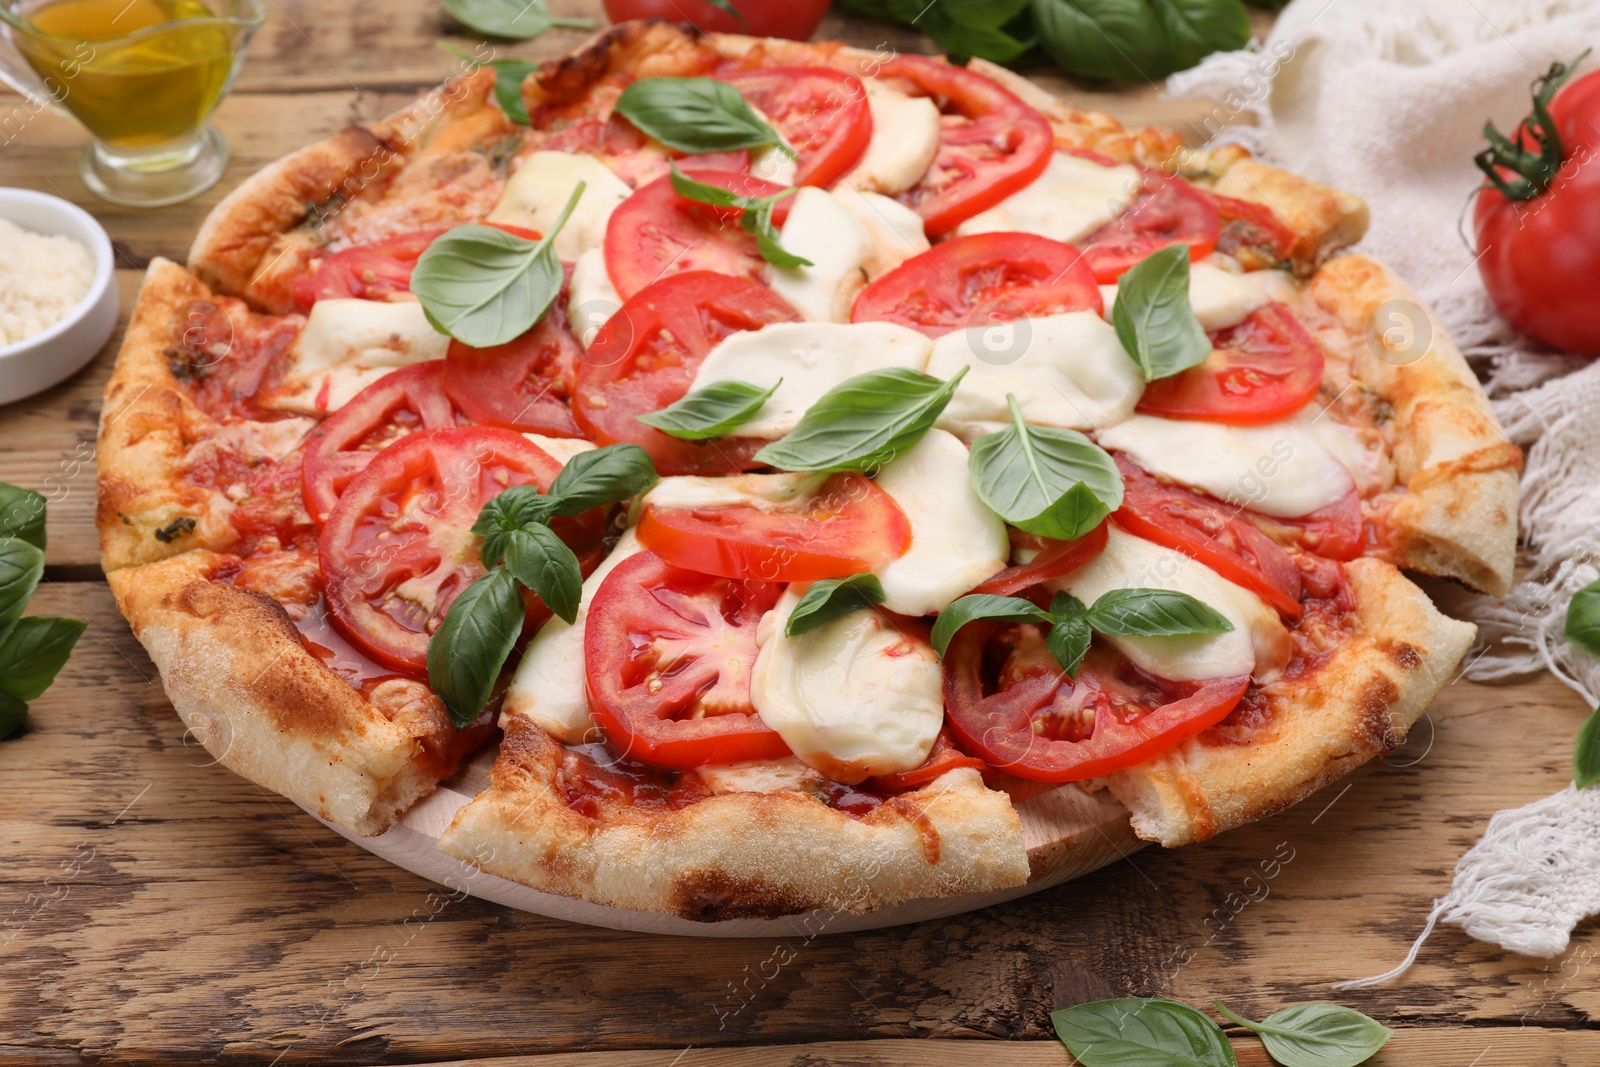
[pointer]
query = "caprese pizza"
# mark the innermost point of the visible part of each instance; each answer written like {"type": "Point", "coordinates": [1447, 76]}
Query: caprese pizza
{"type": "Point", "coordinates": [794, 458]}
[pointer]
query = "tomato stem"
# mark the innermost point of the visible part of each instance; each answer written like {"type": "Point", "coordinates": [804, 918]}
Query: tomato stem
{"type": "Point", "coordinates": [1535, 169]}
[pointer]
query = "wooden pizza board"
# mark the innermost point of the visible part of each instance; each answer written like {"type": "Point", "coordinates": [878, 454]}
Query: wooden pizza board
{"type": "Point", "coordinates": [1068, 833]}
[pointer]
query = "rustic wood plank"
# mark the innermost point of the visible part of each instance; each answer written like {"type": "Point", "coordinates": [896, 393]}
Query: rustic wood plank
{"type": "Point", "coordinates": [204, 918]}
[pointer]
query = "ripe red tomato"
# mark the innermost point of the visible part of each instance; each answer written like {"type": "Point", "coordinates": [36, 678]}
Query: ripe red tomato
{"type": "Point", "coordinates": [1053, 559]}
{"type": "Point", "coordinates": [645, 356]}
{"type": "Point", "coordinates": [523, 384]}
{"type": "Point", "coordinates": [946, 756]}
{"type": "Point", "coordinates": [366, 272]}
{"type": "Point", "coordinates": [794, 19]}
{"type": "Point", "coordinates": [667, 654]}
{"type": "Point", "coordinates": [980, 280]}
{"type": "Point", "coordinates": [849, 526]}
{"type": "Point", "coordinates": [1166, 211]}
{"type": "Point", "coordinates": [821, 112]}
{"type": "Point", "coordinates": [1540, 256]}
{"type": "Point", "coordinates": [1262, 370]}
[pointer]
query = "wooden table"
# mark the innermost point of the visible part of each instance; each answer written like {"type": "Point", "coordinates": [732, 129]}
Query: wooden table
{"type": "Point", "coordinates": [160, 909]}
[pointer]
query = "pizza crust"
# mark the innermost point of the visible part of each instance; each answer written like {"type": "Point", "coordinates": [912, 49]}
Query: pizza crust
{"type": "Point", "coordinates": [738, 855]}
{"type": "Point", "coordinates": [235, 669]}
{"type": "Point", "coordinates": [1357, 705]}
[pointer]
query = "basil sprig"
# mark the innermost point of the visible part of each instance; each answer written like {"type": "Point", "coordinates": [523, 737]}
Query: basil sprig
{"type": "Point", "coordinates": [1054, 483]}
{"type": "Point", "coordinates": [718, 409]}
{"type": "Point", "coordinates": [1117, 613]}
{"type": "Point", "coordinates": [697, 115]}
{"type": "Point", "coordinates": [33, 649]}
{"type": "Point", "coordinates": [863, 422]}
{"type": "Point", "coordinates": [1137, 40]}
{"type": "Point", "coordinates": [520, 550]}
{"type": "Point", "coordinates": [1583, 630]}
{"type": "Point", "coordinates": [1316, 1035]}
{"type": "Point", "coordinates": [1153, 317]}
{"type": "Point", "coordinates": [518, 20]}
{"type": "Point", "coordinates": [755, 215]}
{"type": "Point", "coordinates": [509, 75]}
{"type": "Point", "coordinates": [833, 598]}
{"type": "Point", "coordinates": [484, 286]}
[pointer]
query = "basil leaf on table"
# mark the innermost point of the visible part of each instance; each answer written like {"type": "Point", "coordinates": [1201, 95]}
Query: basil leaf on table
{"type": "Point", "coordinates": [1137, 40]}
{"type": "Point", "coordinates": [22, 514]}
{"type": "Point", "coordinates": [484, 286]}
{"type": "Point", "coordinates": [1155, 613]}
{"type": "Point", "coordinates": [1586, 753]}
{"type": "Point", "coordinates": [718, 409]}
{"type": "Point", "coordinates": [516, 19]}
{"type": "Point", "coordinates": [470, 647]}
{"type": "Point", "coordinates": [755, 214]}
{"type": "Point", "coordinates": [832, 598]}
{"type": "Point", "coordinates": [1154, 320]}
{"type": "Point", "coordinates": [1317, 1035]}
{"type": "Point", "coordinates": [13, 713]}
{"type": "Point", "coordinates": [1134, 1032]}
{"type": "Point", "coordinates": [21, 567]}
{"type": "Point", "coordinates": [1070, 632]}
{"type": "Point", "coordinates": [1583, 618]}
{"type": "Point", "coordinates": [696, 115]}
{"type": "Point", "coordinates": [1050, 482]}
{"type": "Point", "coordinates": [863, 422]}
{"type": "Point", "coordinates": [975, 607]}
{"type": "Point", "coordinates": [963, 39]}
{"type": "Point", "coordinates": [538, 558]}
{"type": "Point", "coordinates": [602, 476]}
{"type": "Point", "coordinates": [34, 652]}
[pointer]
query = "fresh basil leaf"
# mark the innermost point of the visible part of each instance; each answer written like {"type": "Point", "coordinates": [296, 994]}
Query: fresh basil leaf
{"type": "Point", "coordinates": [538, 558]}
{"type": "Point", "coordinates": [863, 422]}
{"type": "Point", "coordinates": [602, 476]}
{"type": "Point", "coordinates": [831, 598]}
{"type": "Point", "coordinates": [1317, 1035]}
{"type": "Point", "coordinates": [515, 507]}
{"type": "Point", "coordinates": [1135, 1032]}
{"type": "Point", "coordinates": [755, 214]}
{"type": "Point", "coordinates": [1583, 618]}
{"type": "Point", "coordinates": [982, 14]}
{"type": "Point", "coordinates": [718, 409]}
{"type": "Point", "coordinates": [1155, 613]}
{"type": "Point", "coordinates": [34, 652]}
{"type": "Point", "coordinates": [1055, 483]}
{"type": "Point", "coordinates": [509, 75]}
{"type": "Point", "coordinates": [516, 19]}
{"type": "Point", "coordinates": [1137, 40]}
{"type": "Point", "coordinates": [22, 514]}
{"type": "Point", "coordinates": [1068, 639]}
{"type": "Point", "coordinates": [21, 567]}
{"type": "Point", "coordinates": [981, 606]}
{"type": "Point", "coordinates": [727, 5]}
{"type": "Point", "coordinates": [470, 647]}
{"type": "Point", "coordinates": [696, 115]}
{"type": "Point", "coordinates": [13, 713]}
{"type": "Point", "coordinates": [963, 40]}
{"type": "Point", "coordinates": [484, 286]}
{"type": "Point", "coordinates": [1193, 29]}
{"type": "Point", "coordinates": [1586, 753]}
{"type": "Point", "coordinates": [1154, 320]}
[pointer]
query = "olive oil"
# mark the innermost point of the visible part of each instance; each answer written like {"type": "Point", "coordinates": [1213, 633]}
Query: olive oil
{"type": "Point", "coordinates": [135, 72]}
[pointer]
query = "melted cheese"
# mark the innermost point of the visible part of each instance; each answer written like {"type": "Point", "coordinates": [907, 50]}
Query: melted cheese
{"type": "Point", "coordinates": [956, 541]}
{"type": "Point", "coordinates": [1278, 469]}
{"type": "Point", "coordinates": [820, 229]}
{"type": "Point", "coordinates": [349, 344]}
{"type": "Point", "coordinates": [810, 358]}
{"type": "Point", "coordinates": [854, 697]}
{"type": "Point", "coordinates": [905, 140]}
{"type": "Point", "coordinates": [896, 230]}
{"type": "Point", "coordinates": [764, 492]}
{"type": "Point", "coordinates": [549, 687]}
{"type": "Point", "coordinates": [1220, 298]}
{"type": "Point", "coordinates": [1072, 198]}
{"type": "Point", "coordinates": [561, 449]}
{"type": "Point", "coordinates": [592, 299]}
{"type": "Point", "coordinates": [1258, 644]}
{"type": "Point", "coordinates": [543, 182]}
{"type": "Point", "coordinates": [1065, 370]}
{"type": "Point", "coordinates": [1361, 452]}
{"type": "Point", "coordinates": [787, 775]}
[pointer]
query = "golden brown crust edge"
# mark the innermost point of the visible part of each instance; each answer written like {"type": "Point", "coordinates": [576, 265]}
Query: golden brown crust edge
{"type": "Point", "coordinates": [1357, 705]}
{"type": "Point", "coordinates": [1458, 517]}
{"type": "Point", "coordinates": [235, 669]}
{"type": "Point", "coordinates": [738, 855]}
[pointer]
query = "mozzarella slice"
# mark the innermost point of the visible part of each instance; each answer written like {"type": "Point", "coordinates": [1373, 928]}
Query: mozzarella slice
{"type": "Point", "coordinates": [853, 698]}
{"type": "Point", "coordinates": [1072, 198]}
{"type": "Point", "coordinates": [905, 140]}
{"type": "Point", "coordinates": [1257, 645]}
{"type": "Point", "coordinates": [1220, 298]}
{"type": "Point", "coordinates": [535, 195]}
{"type": "Point", "coordinates": [1279, 469]}
{"type": "Point", "coordinates": [763, 776]}
{"type": "Point", "coordinates": [896, 230]}
{"type": "Point", "coordinates": [549, 687]}
{"type": "Point", "coordinates": [839, 247]}
{"type": "Point", "coordinates": [591, 299]}
{"type": "Point", "coordinates": [765, 492]}
{"type": "Point", "coordinates": [1359, 451]}
{"type": "Point", "coordinates": [810, 358]}
{"type": "Point", "coordinates": [561, 449]}
{"type": "Point", "coordinates": [956, 541]}
{"type": "Point", "coordinates": [349, 344]}
{"type": "Point", "coordinates": [1065, 370]}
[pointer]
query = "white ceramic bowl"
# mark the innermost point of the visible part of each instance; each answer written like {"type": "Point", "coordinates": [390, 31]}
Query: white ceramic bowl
{"type": "Point", "coordinates": [38, 362]}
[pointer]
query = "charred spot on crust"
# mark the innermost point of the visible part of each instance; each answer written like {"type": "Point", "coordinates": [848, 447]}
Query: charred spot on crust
{"type": "Point", "coordinates": [712, 896]}
{"type": "Point", "coordinates": [1375, 728]}
{"type": "Point", "coordinates": [1403, 653]}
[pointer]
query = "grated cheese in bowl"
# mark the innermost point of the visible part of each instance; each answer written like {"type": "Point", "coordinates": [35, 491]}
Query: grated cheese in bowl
{"type": "Point", "coordinates": [42, 278]}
